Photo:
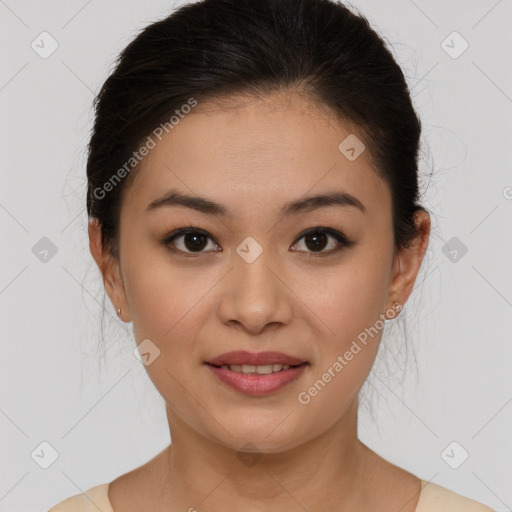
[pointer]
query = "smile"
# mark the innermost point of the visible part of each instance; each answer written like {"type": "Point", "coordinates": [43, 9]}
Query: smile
{"type": "Point", "coordinates": [257, 379]}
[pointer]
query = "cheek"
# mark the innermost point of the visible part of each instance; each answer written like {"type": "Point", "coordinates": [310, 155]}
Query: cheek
{"type": "Point", "coordinates": [166, 300]}
{"type": "Point", "coordinates": [348, 299]}
{"type": "Point", "coordinates": [346, 349]}
{"type": "Point", "coordinates": [349, 304]}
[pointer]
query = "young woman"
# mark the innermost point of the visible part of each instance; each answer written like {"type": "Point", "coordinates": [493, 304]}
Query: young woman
{"type": "Point", "coordinates": [254, 211]}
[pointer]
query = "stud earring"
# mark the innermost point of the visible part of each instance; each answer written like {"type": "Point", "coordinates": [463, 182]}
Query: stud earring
{"type": "Point", "coordinates": [119, 312]}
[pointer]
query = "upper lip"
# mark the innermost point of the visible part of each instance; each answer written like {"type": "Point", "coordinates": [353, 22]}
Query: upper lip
{"type": "Point", "coordinates": [259, 358]}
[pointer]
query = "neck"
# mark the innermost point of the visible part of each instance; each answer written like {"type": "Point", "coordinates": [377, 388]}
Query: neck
{"type": "Point", "coordinates": [202, 473]}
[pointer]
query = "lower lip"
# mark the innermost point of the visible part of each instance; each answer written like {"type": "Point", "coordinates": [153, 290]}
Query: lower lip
{"type": "Point", "coordinates": [256, 384]}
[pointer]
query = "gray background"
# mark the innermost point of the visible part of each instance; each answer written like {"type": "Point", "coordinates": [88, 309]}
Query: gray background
{"type": "Point", "coordinates": [99, 411]}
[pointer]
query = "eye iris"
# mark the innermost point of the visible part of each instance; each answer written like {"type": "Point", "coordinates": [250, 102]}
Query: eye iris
{"type": "Point", "coordinates": [199, 241]}
{"type": "Point", "coordinates": [319, 240]}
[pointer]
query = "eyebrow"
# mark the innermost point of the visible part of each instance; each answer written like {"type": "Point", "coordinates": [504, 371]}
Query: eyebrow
{"type": "Point", "coordinates": [307, 204]}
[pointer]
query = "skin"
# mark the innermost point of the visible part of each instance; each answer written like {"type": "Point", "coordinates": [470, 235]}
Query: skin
{"type": "Point", "coordinates": [252, 156]}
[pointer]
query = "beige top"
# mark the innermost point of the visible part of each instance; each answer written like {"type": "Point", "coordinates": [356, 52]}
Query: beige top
{"type": "Point", "coordinates": [433, 498]}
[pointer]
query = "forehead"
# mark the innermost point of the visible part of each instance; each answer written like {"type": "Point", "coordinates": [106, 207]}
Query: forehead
{"type": "Point", "coordinates": [268, 150]}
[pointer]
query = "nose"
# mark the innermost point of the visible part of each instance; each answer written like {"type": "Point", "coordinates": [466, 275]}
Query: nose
{"type": "Point", "coordinates": [255, 295]}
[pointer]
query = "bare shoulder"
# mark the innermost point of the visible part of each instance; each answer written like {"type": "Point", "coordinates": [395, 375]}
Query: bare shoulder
{"type": "Point", "coordinates": [94, 497]}
{"type": "Point", "coordinates": [436, 498]}
{"type": "Point", "coordinates": [413, 494]}
{"type": "Point", "coordinates": [126, 493]}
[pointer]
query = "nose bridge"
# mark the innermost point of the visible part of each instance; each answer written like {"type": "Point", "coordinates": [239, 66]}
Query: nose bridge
{"type": "Point", "coordinates": [255, 296]}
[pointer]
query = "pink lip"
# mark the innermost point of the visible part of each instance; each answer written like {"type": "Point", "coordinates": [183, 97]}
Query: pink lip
{"type": "Point", "coordinates": [258, 358]}
{"type": "Point", "coordinates": [255, 384]}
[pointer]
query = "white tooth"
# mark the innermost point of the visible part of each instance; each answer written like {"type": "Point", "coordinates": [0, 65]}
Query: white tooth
{"type": "Point", "coordinates": [248, 368]}
{"type": "Point", "coordinates": [259, 369]}
{"type": "Point", "coordinates": [264, 369]}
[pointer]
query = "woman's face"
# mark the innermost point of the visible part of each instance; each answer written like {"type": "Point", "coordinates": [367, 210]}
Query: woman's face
{"type": "Point", "coordinates": [253, 282]}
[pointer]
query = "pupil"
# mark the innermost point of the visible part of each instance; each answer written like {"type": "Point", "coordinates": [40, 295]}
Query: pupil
{"type": "Point", "coordinates": [197, 244]}
{"type": "Point", "coordinates": [317, 244]}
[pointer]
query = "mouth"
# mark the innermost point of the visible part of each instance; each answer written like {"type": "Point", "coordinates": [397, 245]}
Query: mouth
{"type": "Point", "coordinates": [251, 369]}
{"type": "Point", "coordinates": [256, 374]}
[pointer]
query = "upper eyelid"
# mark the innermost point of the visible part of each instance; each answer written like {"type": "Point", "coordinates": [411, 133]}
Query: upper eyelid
{"type": "Point", "coordinates": [188, 229]}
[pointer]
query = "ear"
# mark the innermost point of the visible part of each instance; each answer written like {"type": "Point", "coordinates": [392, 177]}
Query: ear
{"type": "Point", "coordinates": [110, 270]}
{"type": "Point", "coordinates": [408, 261]}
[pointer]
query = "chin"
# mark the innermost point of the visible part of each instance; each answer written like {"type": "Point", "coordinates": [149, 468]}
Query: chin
{"type": "Point", "coordinates": [259, 437]}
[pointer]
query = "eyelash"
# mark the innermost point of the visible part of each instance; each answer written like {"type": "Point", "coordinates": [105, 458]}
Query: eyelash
{"type": "Point", "coordinates": [343, 241]}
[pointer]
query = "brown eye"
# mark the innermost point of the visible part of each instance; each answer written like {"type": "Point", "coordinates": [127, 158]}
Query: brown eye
{"type": "Point", "coordinates": [317, 239]}
{"type": "Point", "coordinates": [189, 240]}
{"type": "Point", "coordinates": [194, 241]}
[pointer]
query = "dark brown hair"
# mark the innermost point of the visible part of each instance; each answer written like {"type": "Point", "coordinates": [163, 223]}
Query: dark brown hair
{"type": "Point", "coordinates": [216, 48]}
